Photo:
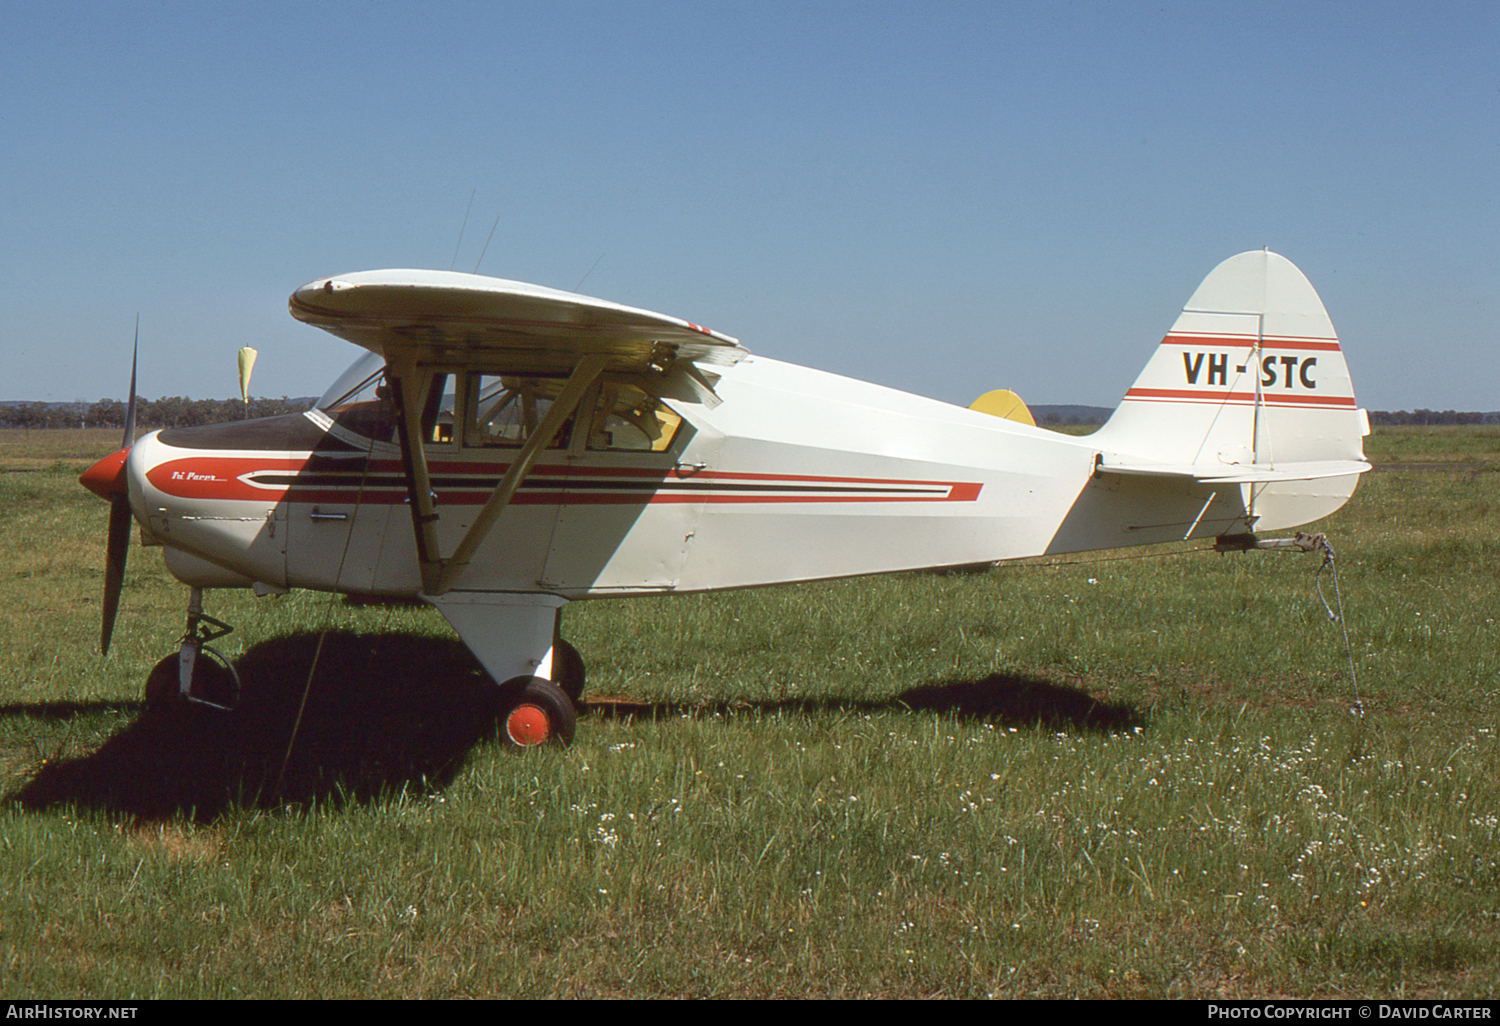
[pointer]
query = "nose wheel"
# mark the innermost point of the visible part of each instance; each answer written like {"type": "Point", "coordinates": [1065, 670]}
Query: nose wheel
{"type": "Point", "coordinates": [210, 680]}
{"type": "Point", "coordinates": [196, 674]}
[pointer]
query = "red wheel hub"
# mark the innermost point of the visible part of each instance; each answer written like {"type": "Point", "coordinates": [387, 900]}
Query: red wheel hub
{"type": "Point", "coordinates": [527, 725]}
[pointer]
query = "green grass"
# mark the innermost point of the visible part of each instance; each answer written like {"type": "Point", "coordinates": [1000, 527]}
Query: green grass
{"type": "Point", "coordinates": [1093, 777]}
{"type": "Point", "coordinates": [1478, 444]}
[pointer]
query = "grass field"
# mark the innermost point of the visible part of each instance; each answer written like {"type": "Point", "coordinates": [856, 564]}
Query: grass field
{"type": "Point", "coordinates": [1091, 777]}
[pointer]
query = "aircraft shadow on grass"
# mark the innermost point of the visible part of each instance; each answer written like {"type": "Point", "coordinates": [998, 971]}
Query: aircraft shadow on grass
{"type": "Point", "coordinates": [393, 712]}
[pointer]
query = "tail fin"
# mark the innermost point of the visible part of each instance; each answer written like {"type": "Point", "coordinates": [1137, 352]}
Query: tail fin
{"type": "Point", "coordinates": [1249, 387]}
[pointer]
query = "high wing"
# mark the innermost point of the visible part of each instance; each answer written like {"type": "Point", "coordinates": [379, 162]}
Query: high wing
{"type": "Point", "coordinates": [476, 321]}
{"type": "Point", "coordinates": [419, 321]}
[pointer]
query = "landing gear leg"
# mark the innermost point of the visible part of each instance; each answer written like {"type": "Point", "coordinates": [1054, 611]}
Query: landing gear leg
{"type": "Point", "coordinates": [196, 674]}
{"type": "Point", "coordinates": [514, 637]}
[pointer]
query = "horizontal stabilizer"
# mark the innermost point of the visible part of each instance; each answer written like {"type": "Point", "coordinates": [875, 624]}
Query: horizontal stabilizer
{"type": "Point", "coordinates": [1229, 473]}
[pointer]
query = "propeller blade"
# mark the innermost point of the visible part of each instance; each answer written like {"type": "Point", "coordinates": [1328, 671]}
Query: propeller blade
{"type": "Point", "coordinates": [129, 439]}
{"type": "Point", "coordinates": [114, 565]}
{"type": "Point", "coordinates": [118, 544]}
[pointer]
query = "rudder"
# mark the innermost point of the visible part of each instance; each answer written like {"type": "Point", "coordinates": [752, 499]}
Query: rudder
{"type": "Point", "coordinates": [1250, 381]}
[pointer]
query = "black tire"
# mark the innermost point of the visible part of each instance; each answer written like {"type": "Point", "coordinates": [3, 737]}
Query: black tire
{"type": "Point", "coordinates": [535, 712]}
{"type": "Point", "coordinates": [213, 681]}
{"type": "Point", "coordinates": [568, 671]}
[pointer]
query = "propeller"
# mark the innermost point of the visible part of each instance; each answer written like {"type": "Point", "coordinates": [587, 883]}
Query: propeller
{"type": "Point", "coordinates": [109, 479]}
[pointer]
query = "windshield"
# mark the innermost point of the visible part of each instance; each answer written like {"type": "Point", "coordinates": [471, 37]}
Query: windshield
{"type": "Point", "coordinates": [361, 375]}
{"type": "Point", "coordinates": [360, 402]}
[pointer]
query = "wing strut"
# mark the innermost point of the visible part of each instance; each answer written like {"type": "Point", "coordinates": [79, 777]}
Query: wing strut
{"type": "Point", "coordinates": [408, 387]}
{"type": "Point", "coordinates": [410, 384]}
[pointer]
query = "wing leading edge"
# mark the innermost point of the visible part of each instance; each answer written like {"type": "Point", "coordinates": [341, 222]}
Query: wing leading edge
{"type": "Point", "coordinates": [475, 320]}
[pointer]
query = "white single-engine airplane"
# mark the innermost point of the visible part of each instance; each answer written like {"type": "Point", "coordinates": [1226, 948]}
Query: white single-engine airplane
{"type": "Point", "coordinates": [504, 449]}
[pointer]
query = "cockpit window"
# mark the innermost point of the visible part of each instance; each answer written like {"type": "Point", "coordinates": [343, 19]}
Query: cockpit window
{"type": "Point", "coordinates": [627, 418]}
{"type": "Point", "coordinates": [615, 416]}
{"type": "Point", "coordinates": [509, 409]}
{"type": "Point", "coordinates": [359, 401]}
{"type": "Point", "coordinates": [503, 410]}
{"type": "Point", "coordinates": [361, 375]}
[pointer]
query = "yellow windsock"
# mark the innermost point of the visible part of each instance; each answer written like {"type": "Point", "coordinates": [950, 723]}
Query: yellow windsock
{"type": "Point", "coordinates": [247, 362]}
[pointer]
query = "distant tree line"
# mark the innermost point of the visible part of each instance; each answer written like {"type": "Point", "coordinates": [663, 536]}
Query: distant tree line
{"type": "Point", "coordinates": [1378, 418]}
{"type": "Point", "coordinates": [168, 411]}
{"type": "Point", "coordinates": [1401, 418]}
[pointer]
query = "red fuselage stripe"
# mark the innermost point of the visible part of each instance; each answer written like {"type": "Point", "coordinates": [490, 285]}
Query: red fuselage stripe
{"type": "Point", "coordinates": [1187, 395]}
{"type": "Point", "coordinates": [382, 483]}
{"type": "Point", "coordinates": [1248, 341]}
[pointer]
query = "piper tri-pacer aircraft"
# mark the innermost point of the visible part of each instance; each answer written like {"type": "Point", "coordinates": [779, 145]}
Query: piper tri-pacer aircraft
{"type": "Point", "coordinates": [503, 449]}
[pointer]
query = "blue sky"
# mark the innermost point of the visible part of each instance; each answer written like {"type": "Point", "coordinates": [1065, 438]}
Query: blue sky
{"type": "Point", "coordinates": [945, 197]}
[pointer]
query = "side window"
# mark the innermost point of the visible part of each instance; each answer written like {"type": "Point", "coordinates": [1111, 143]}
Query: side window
{"type": "Point", "coordinates": [507, 409]}
{"type": "Point", "coordinates": [625, 418]}
{"type": "Point", "coordinates": [437, 411]}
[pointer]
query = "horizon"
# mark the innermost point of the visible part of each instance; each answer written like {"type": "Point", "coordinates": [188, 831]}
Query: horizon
{"type": "Point", "coordinates": [85, 404]}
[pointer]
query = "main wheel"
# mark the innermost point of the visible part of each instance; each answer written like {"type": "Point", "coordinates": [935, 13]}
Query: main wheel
{"type": "Point", "coordinates": [567, 670]}
{"type": "Point", "coordinates": [535, 712]}
{"type": "Point", "coordinates": [214, 681]}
